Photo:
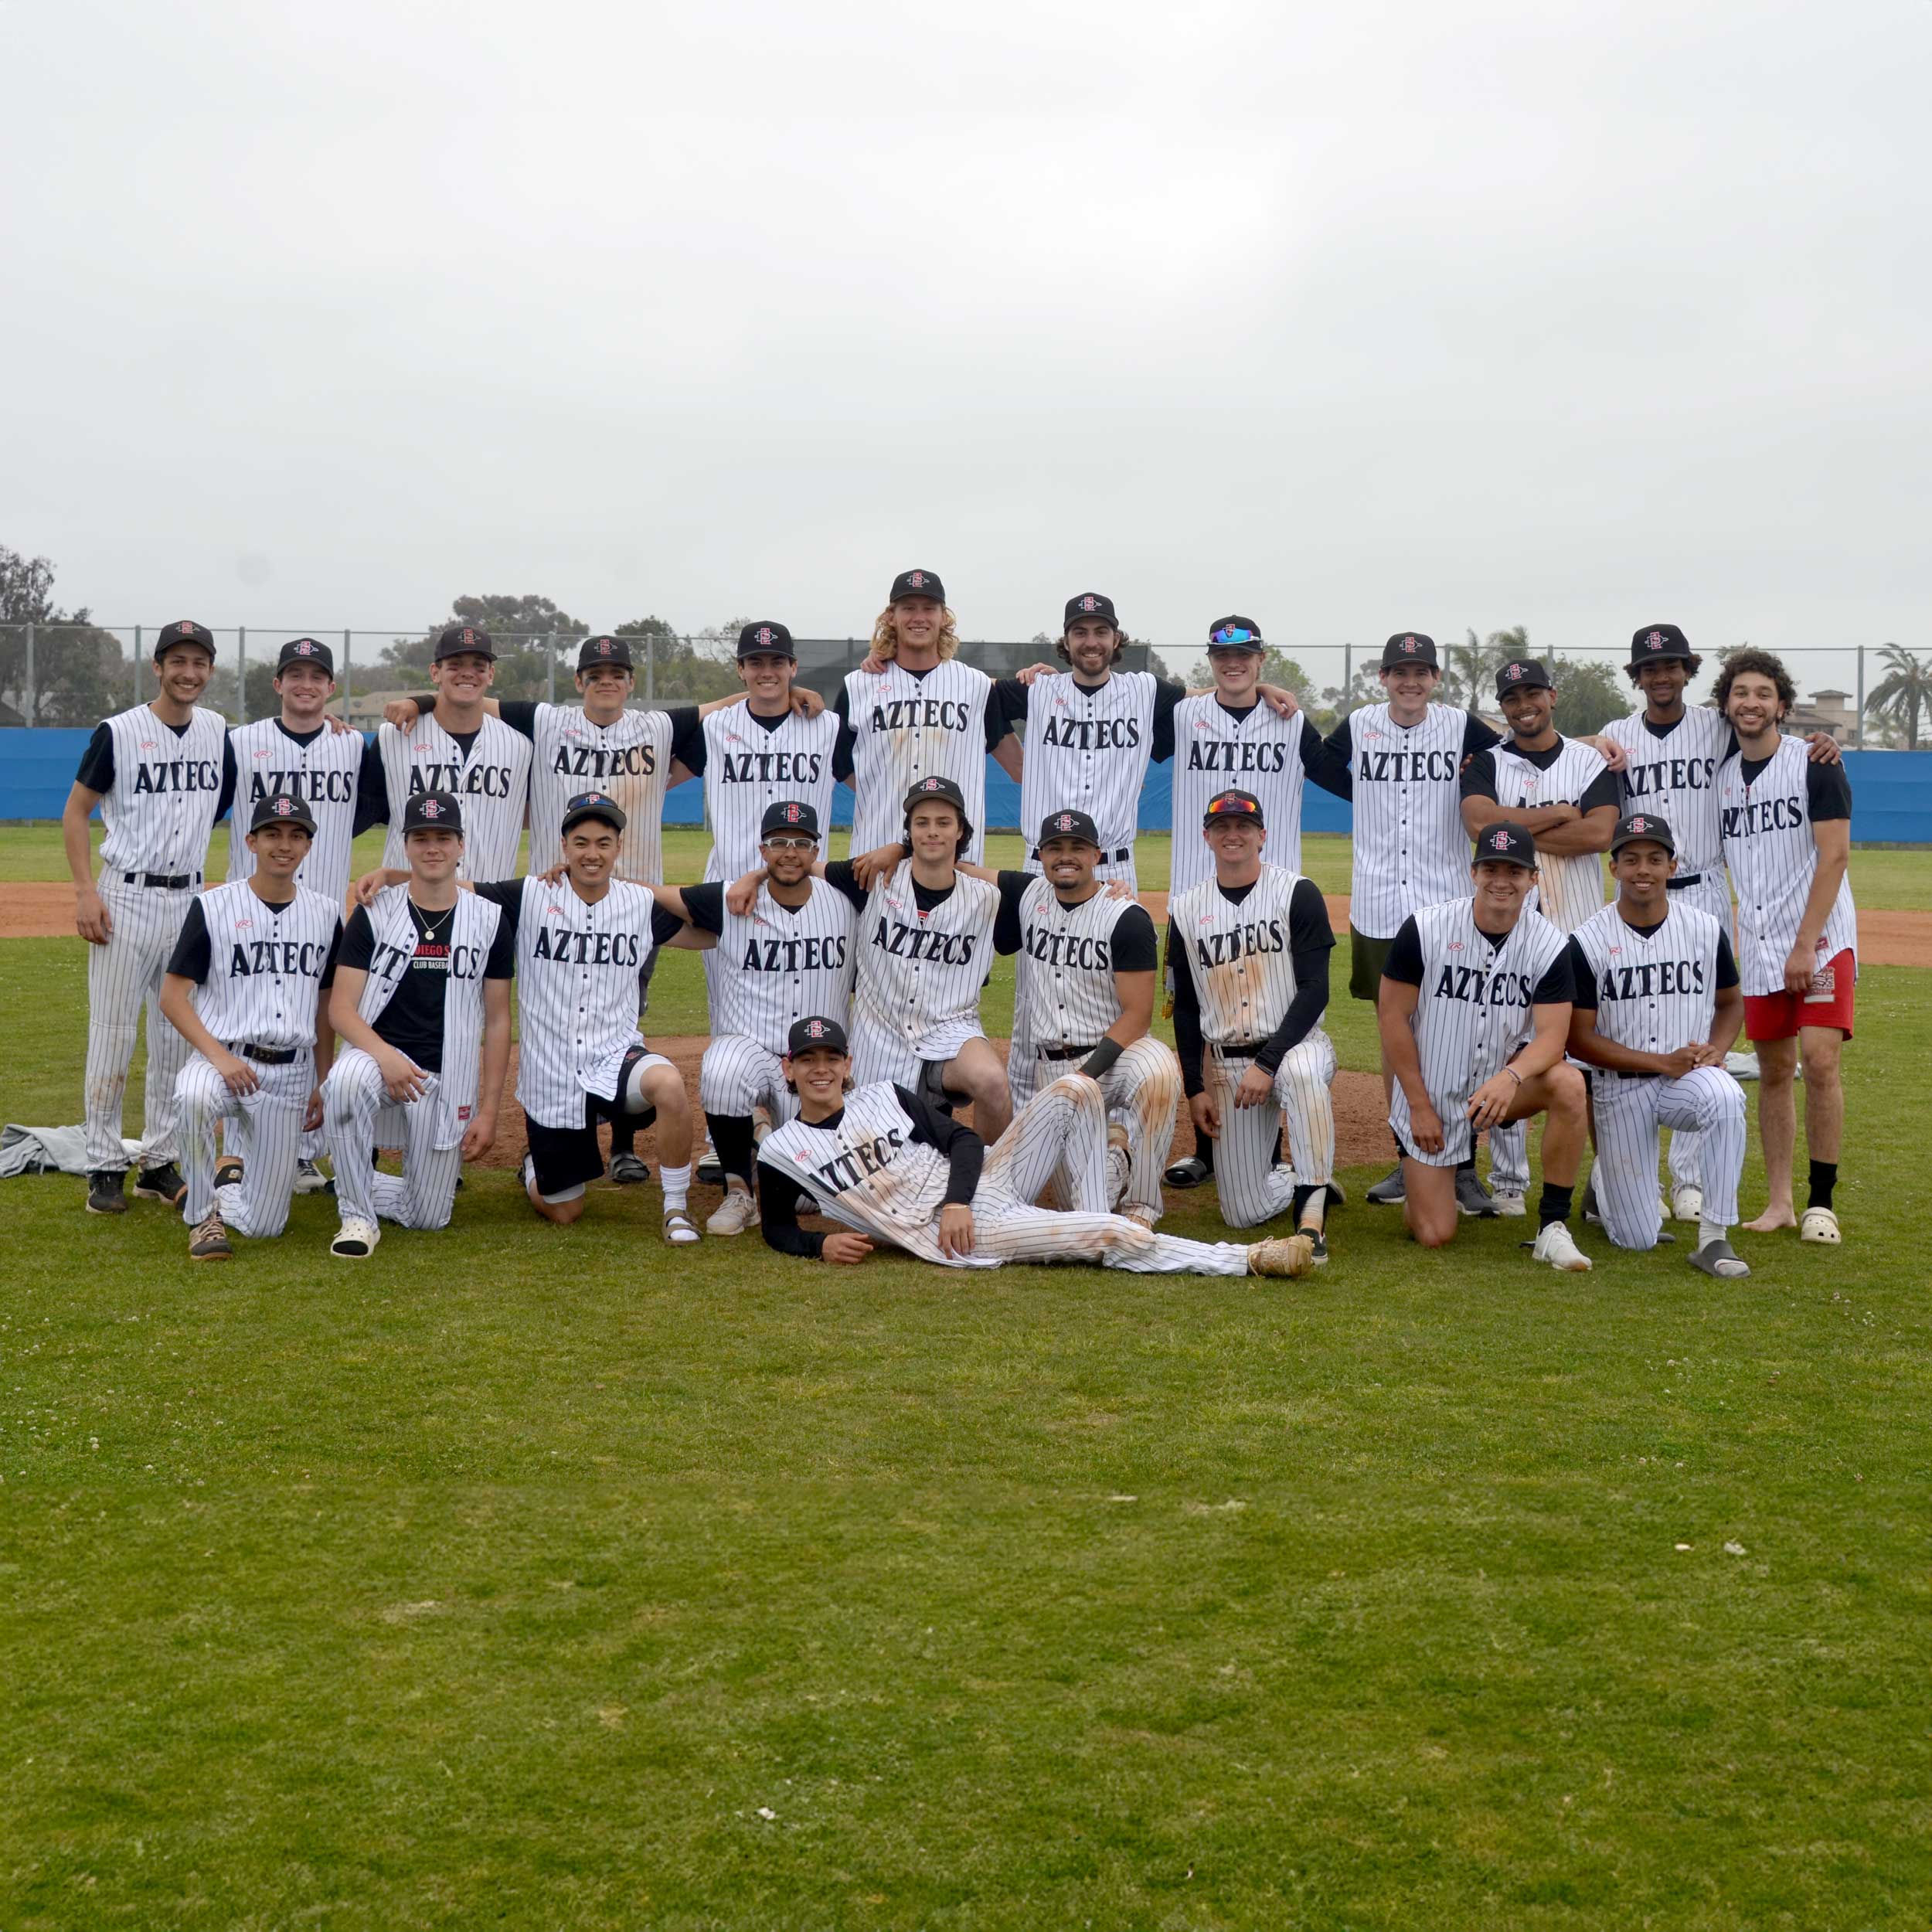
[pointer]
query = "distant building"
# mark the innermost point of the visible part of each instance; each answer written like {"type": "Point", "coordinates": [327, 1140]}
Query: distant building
{"type": "Point", "coordinates": [1830, 712]}
{"type": "Point", "coordinates": [364, 709]}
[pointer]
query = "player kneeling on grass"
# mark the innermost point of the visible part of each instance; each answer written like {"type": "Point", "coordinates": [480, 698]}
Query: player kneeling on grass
{"type": "Point", "coordinates": [244, 988]}
{"type": "Point", "coordinates": [1657, 1007]}
{"type": "Point", "coordinates": [893, 1170]}
{"type": "Point", "coordinates": [422, 1006]}
{"type": "Point", "coordinates": [1474, 1012]}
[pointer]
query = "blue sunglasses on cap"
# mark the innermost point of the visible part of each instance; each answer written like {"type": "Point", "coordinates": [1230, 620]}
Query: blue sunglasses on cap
{"type": "Point", "coordinates": [1234, 634]}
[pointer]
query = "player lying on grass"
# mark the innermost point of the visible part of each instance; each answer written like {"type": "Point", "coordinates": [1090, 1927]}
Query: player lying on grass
{"type": "Point", "coordinates": [1475, 1015]}
{"type": "Point", "coordinates": [422, 1007]}
{"type": "Point", "coordinates": [244, 989]}
{"type": "Point", "coordinates": [894, 1171]}
{"type": "Point", "coordinates": [1657, 1007]}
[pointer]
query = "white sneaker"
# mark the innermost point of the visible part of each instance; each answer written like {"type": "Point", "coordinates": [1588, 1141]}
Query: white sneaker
{"type": "Point", "coordinates": [1554, 1246]}
{"type": "Point", "coordinates": [310, 1180]}
{"type": "Point", "coordinates": [355, 1240]}
{"type": "Point", "coordinates": [1509, 1204]}
{"type": "Point", "coordinates": [1687, 1204]}
{"type": "Point", "coordinates": [737, 1211]}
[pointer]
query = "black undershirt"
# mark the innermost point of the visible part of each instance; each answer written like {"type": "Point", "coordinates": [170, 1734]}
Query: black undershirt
{"type": "Point", "coordinates": [412, 1022]}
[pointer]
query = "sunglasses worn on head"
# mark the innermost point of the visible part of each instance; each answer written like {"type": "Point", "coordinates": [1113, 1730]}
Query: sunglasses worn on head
{"type": "Point", "coordinates": [1233, 634]}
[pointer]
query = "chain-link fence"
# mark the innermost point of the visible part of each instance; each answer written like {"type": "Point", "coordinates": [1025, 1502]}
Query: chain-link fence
{"type": "Point", "coordinates": [67, 675]}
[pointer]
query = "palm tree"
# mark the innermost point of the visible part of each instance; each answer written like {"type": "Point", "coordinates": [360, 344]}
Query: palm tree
{"type": "Point", "coordinates": [1905, 687]}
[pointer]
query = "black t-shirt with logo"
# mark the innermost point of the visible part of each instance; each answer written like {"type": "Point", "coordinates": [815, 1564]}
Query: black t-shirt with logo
{"type": "Point", "coordinates": [412, 1022]}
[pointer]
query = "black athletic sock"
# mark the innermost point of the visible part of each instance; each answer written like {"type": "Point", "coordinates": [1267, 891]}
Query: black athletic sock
{"type": "Point", "coordinates": [1555, 1204]}
{"type": "Point", "coordinates": [1468, 1166]}
{"type": "Point", "coordinates": [1824, 1178]}
{"type": "Point", "coordinates": [731, 1135]}
{"type": "Point", "coordinates": [624, 1134]}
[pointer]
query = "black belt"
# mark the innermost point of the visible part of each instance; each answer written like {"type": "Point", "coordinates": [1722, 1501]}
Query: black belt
{"type": "Point", "coordinates": [1117, 858]}
{"type": "Point", "coordinates": [1064, 1053]}
{"type": "Point", "coordinates": [270, 1056]}
{"type": "Point", "coordinates": [1239, 1050]}
{"type": "Point", "coordinates": [1619, 1074]}
{"type": "Point", "coordinates": [1688, 878]}
{"type": "Point", "coordinates": [172, 882]}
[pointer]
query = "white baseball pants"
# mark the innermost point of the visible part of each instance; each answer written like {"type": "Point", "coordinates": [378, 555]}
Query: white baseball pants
{"type": "Point", "coordinates": [122, 976]}
{"type": "Point", "coordinates": [1706, 1102]}
{"type": "Point", "coordinates": [354, 1100]}
{"type": "Point", "coordinates": [1252, 1187]}
{"type": "Point", "coordinates": [878, 1055]}
{"type": "Point", "coordinates": [265, 1129]}
{"type": "Point", "coordinates": [1142, 1090]}
{"type": "Point", "coordinates": [737, 1075]}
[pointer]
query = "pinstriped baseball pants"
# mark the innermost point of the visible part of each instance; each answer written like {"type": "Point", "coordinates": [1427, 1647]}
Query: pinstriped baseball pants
{"type": "Point", "coordinates": [1142, 1090]}
{"type": "Point", "coordinates": [1252, 1188]}
{"type": "Point", "coordinates": [265, 1129]}
{"type": "Point", "coordinates": [1706, 1102]}
{"type": "Point", "coordinates": [354, 1100]}
{"type": "Point", "coordinates": [122, 976]}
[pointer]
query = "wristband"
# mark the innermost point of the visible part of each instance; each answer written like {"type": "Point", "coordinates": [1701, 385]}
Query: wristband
{"type": "Point", "coordinates": [1513, 1074]}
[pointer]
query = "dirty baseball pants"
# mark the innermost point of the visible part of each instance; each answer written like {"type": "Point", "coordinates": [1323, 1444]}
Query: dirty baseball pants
{"type": "Point", "coordinates": [265, 1129]}
{"type": "Point", "coordinates": [123, 976]}
{"type": "Point", "coordinates": [1252, 1187]}
{"type": "Point", "coordinates": [1142, 1090]}
{"type": "Point", "coordinates": [359, 1117]}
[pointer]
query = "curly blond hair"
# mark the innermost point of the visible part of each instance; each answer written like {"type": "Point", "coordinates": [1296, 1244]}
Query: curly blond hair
{"type": "Point", "coordinates": [885, 633]}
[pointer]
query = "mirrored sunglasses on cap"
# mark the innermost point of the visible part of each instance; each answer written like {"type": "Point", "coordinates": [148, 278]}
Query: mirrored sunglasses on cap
{"type": "Point", "coordinates": [1233, 633]}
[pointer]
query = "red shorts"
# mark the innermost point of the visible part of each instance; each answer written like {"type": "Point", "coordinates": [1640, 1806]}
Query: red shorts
{"type": "Point", "coordinates": [1780, 1016]}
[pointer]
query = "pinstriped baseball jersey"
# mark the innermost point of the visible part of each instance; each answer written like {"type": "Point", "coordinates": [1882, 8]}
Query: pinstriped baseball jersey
{"type": "Point", "coordinates": [781, 965]}
{"type": "Point", "coordinates": [324, 774]}
{"type": "Point", "coordinates": [1214, 748]}
{"type": "Point", "coordinates": [629, 759]}
{"type": "Point", "coordinates": [1474, 1007]}
{"type": "Point", "coordinates": [265, 964]}
{"type": "Point", "coordinates": [166, 790]}
{"type": "Point", "coordinates": [747, 767]}
{"type": "Point", "coordinates": [1675, 777]}
{"type": "Point", "coordinates": [493, 783]}
{"type": "Point", "coordinates": [1569, 886]}
{"type": "Point", "coordinates": [906, 727]}
{"type": "Point", "coordinates": [1657, 991]}
{"type": "Point", "coordinates": [1239, 956]}
{"type": "Point", "coordinates": [918, 971]}
{"type": "Point", "coordinates": [1087, 750]}
{"type": "Point", "coordinates": [1411, 850]}
{"type": "Point", "coordinates": [1772, 852]}
{"type": "Point", "coordinates": [1065, 983]}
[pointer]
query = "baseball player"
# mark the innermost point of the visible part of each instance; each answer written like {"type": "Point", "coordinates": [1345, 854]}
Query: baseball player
{"type": "Point", "coordinates": [789, 956]}
{"type": "Point", "coordinates": [1250, 952]}
{"type": "Point", "coordinates": [1656, 1007]}
{"type": "Point", "coordinates": [925, 714]}
{"type": "Point", "coordinates": [422, 1009]}
{"type": "Point", "coordinates": [305, 752]}
{"type": "Point", "coordinates": [1474, 1016]}
{"type": "Point", "coordinates": [1084, 1000]}
{"type": "Point", "coordinates": [161, 774]}
{"type": "Point", "coordinates": [1567, 795]}
{"type": "Point", "coordinates": [1404, 760]}
{"type": "Point", "coordinates": [458, 747]}
{"type": "Point", "coordinates": [1787, 824]}
{"type": "Point", "coordinates": [244, 989]}
{"type": "Point", "coordinates": [893, 1170]}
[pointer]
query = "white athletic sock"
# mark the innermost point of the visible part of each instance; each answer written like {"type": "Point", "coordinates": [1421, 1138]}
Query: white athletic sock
{"type": "Point", "coordinates": [1707, 1232]}
{"type": "Point", "coordinates": [677, 1184]}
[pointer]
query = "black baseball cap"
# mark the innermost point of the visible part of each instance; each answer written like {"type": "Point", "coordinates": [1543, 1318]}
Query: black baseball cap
{"type": "Point", "coordinates": [816, 1031]}
{"type": "Point", "coordinates": [1089, 603]}
{"type": "Point", "coordinates": [305, 651]}
{"type": "Point", "coordinates": [1641, 825]}
{"type": "Point", "coordinates": [457, 639]}
{"type": "Point", "coordinates": [766, 636]}
{"type": "Point", "coordinates": [917, 583]}
{"type": "Point", "coordinates": [943, 790]}
{"type": "Point", "coordinates": [1233, 804]}
{"type": "Point", "coordinates": [1522, 674]}
{"type": "Point", "coordinates": [1656, 640]}
{"type": "Point", "coordinates": [594, 804]}
{"type": "Point", "coordinates": [432, 812]}
{"type": "Point", "coordinates": [594, 653]}
{"type": "Point", "coordinates": [1410, 647]}
{"type": "Point", "coordinates": [1505, 843]}
{"type": "Point", "coordinates": [1071, 824]}
{"type": "Point", "coordinates": [282, 809]}
{"type": "Point", "coordinates": [788, 815]}
{"type": "Point", "coordinates": [184, 631]}
{"type": "Point", "coordinates": [1236, 634]}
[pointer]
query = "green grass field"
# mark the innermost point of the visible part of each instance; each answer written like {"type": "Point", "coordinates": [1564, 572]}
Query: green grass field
{"type": "Point", "coordinates": [530, 1577]}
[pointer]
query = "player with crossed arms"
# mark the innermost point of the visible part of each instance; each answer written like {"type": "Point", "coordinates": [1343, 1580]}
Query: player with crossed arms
{"type": "Point", "coordinates": [1249, 953]}
{"type": "Point", "coordinates": [244, 990]}
{"type": "Point", "coordinates": [1475, 1017]}
{"type": "Point", "coordinates": [422, 1009]}
{"type": "Point", "coordinates": [893, 1170]}
{"type": "Point", "coordinates": [1657, 1007]}
{"type": "Point", "coordinates": [790, 955]}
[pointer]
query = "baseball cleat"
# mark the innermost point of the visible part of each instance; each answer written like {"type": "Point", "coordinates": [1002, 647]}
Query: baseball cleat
{"type": "Point", "coordinates": [1472, 1197]}
{"type": "Point", "coordinates": [355, 1240]}
{"type": "Point", "coordinates": [1318, 1246]}
{"type": "Point", "coordinates": [1555, 1246]}
{"type": "Point", "coordinates": [1721, 1259]}
{"type": "Point", "coordinates": [1509, 1204]}
{"type": "Point", "coordinates": [737, 1211]}
{"type": "Point", "coordinates": [679, 1229]}
{"type": "Point", "coordinates": [1291, 1256]}
{"type": "Point", "coordinates": [162, 1183]}
{"type": "Point", "coordinates": [106, 1192]}
{"type": "Point", "coordinates": [1192, 1172]}
{"type": "Point", "coordinates": [209, 1241]}
{"type": "Point", "coordinates": [1820, 1225]}
{"type": "Point", "coordinates": [1388, 1192]}
{"type": "Point", "coordinates": [310, 1180]}
{"type": "Point", "coordinates": [627, 1171]}
{"type": "Point", "coordinates": [228, 1170]}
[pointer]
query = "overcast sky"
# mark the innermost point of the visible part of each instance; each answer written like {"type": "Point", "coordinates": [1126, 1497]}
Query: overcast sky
{"type": "Point", "coordinates": [1349, 318]}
